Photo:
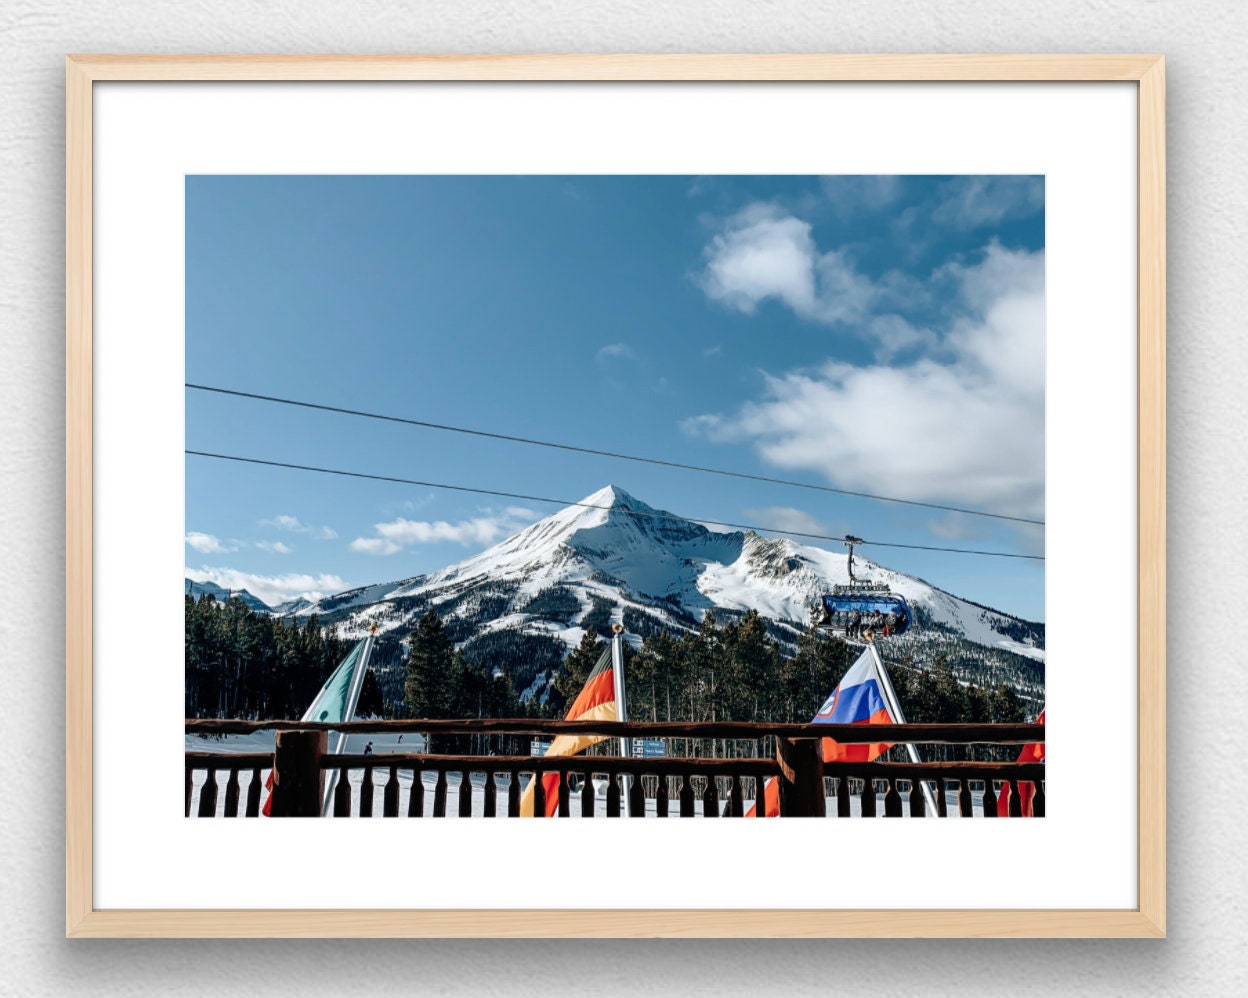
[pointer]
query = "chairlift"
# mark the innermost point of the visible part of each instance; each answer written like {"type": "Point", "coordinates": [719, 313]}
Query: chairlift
{"type": "Point", "coordinates": [863, 610]}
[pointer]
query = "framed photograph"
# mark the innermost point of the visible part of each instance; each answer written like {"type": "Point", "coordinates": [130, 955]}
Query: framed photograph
{"type": "Point", "coordinates": [607, 437]}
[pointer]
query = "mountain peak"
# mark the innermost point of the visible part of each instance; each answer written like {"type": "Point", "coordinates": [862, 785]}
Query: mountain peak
{"type": "Point", "coordinates": [611, 557]}
{"type": "Point", "coordinates": [614, 497]}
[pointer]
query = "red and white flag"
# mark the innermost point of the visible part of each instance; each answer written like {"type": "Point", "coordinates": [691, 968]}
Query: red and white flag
{"type": "Point", "coordinates": [1026, 789]}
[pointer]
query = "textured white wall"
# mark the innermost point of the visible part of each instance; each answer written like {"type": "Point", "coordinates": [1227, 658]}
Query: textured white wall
{"type": "Point", "coordinates": [1208, 119]}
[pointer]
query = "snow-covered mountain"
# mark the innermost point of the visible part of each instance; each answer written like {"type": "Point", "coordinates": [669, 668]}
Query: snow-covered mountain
{"type": "Point", "coordinates": [610, 560]}
{"type": "Point", "coordinates": [206, 588]}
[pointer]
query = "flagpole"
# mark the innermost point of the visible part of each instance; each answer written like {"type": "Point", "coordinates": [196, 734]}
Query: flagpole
{"type": "Point", "coordinates": [895, 709]}
{"type": "Point", "coordinates": [621, 708]}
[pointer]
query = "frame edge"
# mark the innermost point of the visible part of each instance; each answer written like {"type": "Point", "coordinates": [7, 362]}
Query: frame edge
{"type": "Point", "coordinates": [1151, 495]}
{"type": "Point", "coordinates": [84, 921]}
{"type": "Point", "coordinates": [78, 497]}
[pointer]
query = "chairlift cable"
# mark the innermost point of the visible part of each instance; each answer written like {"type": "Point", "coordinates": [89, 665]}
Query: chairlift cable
{"type": "Point", "coordinates": [654, 514]}
{"type": "Point", "coordinates": [605, 453]}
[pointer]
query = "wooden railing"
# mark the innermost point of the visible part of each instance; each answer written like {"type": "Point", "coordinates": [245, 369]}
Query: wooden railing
{"type": "Point", "coordinates": [212, 763]}
{"type": "Point", "coordinates": [427, 785]}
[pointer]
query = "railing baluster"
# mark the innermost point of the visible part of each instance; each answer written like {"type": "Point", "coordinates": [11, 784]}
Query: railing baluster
{"type": "Point", "coordinates": [253, 794]}
{"type": "Point", "coordinates": [342, 794]}
{"type": "Point", "coordinates": [390, 798]}
{"type": "Point", "coordinates": [892, 800]}
{"type": "Point", "coordinates": [686, 796]}
{"type": "Point", "coordinates": [710, 799]}
{"type": "Point", "coordinates": [918, 802]}
{"type": "Point", "coordinates": [990, 799]}
{"type": "Point", "coordinates": [208, 796]}
{"type": "Point", "coordinates": [711, 787]}
{"type": "Point", "coordinates": [416, 796]}
{"type": "Point", "coordinates": [539, 795]}
{"type": "Point", "coordinates": [636, 797]}
{"type": "Point", "coordinates": [489, 808]}
{"type": "Point", "coordinates": [867, 797]}
{"type": "Point", "coordinates": [231, 795]}
{"type": "Point", "coordinates": [513, 794]}
{"type": "Point", "coordinates": [439, 795]}
{"type": "Point", "coordinates": [613, 797]}
{"type": "Point", "coordinates": [587, 796]}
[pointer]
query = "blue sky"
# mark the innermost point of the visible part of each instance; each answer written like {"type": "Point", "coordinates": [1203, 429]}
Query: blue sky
{"type": "Point", "coordinates": [880, 334]}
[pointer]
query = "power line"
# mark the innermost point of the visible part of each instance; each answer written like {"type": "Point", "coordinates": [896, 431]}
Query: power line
{"type": "Point", "coordinates": [606, 453]}
{"type": "Point", "coordinates": [655, 514]}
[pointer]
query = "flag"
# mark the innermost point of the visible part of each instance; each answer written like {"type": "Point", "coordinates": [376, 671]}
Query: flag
{"type": "Point", "coordinates": [857, 699]}
{"type": "Point", "coordinates": [1026, 789]}
{"type": "Point", "coordinates": [771, 799]}
{"type": "Point", "coordinates": [595, 702]}
{"type": "Point", "coordinates": [335, 702]}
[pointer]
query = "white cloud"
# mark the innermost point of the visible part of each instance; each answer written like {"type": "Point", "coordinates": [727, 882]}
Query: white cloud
{"type": "Point", "coordinates": [788, 518]}
{"type": "Point", "coordinates": [716, 528]}
{"type": "Point", "coordinates": [394, 535]}
{"type": "Point", "coordinates": [206, 543]}
{"type": "Point", "coordinates": [292, 524]}
{"type": "Point", "coordinates": [764, 253]}
{"type": "Point", "coordinates": [616, 351]}
{"type": "Point", "coordinates": [273, 589]}
{"type": "Point", "coordinates": [375, 545]}
{"type": "Point", "coordinates": [971, 202]}
{"type": "Point", "coordinates": [715, 351]}
{"type": "Point", "coordinates": [274, 547]}
{"type": "Point", "coordinates": [967, 429]}
{"type": "Point", "coordinates": [894, 334]}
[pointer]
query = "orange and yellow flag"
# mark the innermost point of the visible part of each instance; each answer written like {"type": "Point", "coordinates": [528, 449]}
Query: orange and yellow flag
{"type": "Point", "coordinates": [595, 702]}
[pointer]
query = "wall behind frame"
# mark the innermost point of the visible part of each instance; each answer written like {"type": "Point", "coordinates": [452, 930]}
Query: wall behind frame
{"type": "Point", "coordinates": [1208, 208]}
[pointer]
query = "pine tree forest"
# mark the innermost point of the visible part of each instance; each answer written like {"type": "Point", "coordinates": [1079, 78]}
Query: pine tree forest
{"type": "Point", "coordinates": [244, 664]}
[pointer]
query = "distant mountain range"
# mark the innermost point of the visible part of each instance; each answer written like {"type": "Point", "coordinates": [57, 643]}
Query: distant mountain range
{"type": "Point", "coordinates": [613, 559]}
{"type": "Point", "coordinates": [205, 588]}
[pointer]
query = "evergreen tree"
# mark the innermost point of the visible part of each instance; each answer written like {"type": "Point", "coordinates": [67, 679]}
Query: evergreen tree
{"type": "Point", "coordinates": [430, 659]}
{"type": "Point", "coordinates": [810, 675]}
{"type": "Point", "coordinates": [752, 667]}
{"type": "Point", "coordinates": [576, 669]}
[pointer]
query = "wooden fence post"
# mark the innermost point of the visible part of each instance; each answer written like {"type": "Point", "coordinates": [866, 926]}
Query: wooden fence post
{"type": "Point", "coordinates": [801, 778]}
{"type": "Point", "coordinates": [297, 777]}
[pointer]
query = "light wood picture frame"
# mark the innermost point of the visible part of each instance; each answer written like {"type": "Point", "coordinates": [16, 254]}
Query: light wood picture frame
{"type": "Point", "coordinates": [1146, 72]}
